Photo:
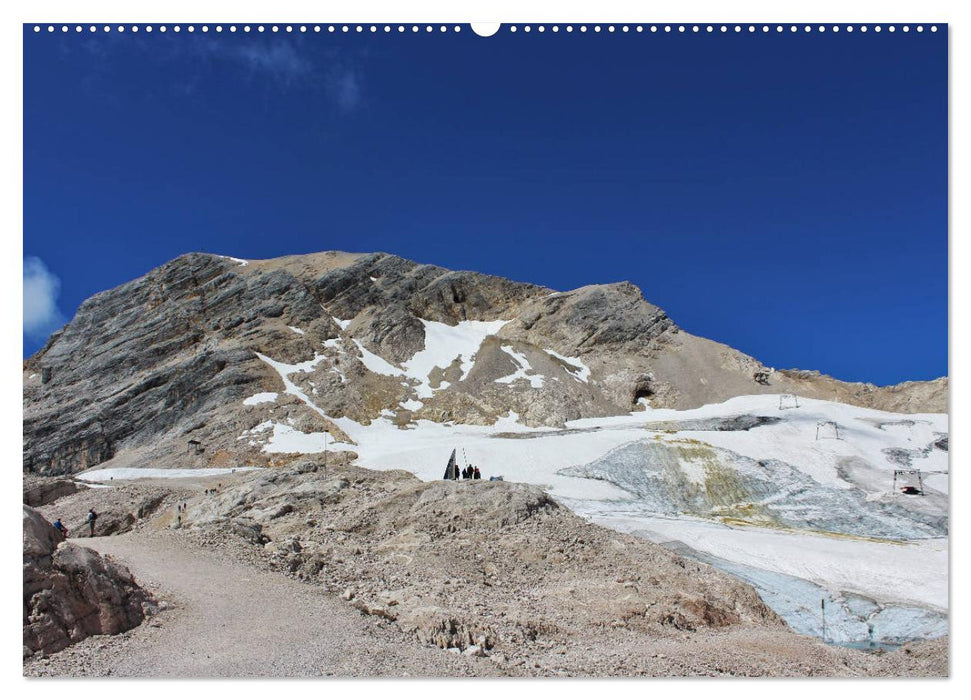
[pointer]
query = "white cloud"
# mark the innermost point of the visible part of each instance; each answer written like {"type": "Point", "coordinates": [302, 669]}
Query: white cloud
{"type": "Point", "coordinates": [344, 88]}
{"type": "Point", "coordinates": [41, 287]}
{"type": "Point", "coordinates": [282, 62]}
{"type": "Point", "coordinates": [279, 60]}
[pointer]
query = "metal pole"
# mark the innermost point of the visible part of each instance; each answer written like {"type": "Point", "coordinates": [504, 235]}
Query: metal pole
{"type": "Point", "coordinates": [822, 606]}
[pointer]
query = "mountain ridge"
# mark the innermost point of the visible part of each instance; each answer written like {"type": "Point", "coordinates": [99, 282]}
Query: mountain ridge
{"type": "Point", "coordinates": [161, 365]}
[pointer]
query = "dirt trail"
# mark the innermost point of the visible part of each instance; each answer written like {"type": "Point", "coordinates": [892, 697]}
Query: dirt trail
{"type": "Point", "coordinates": [230, 619]}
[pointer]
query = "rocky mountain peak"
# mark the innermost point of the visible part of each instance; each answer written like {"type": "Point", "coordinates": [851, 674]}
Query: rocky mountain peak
{"type": "Point", "coordinates": [185, 352]}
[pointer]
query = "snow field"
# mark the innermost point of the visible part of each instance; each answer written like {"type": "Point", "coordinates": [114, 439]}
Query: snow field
{"type": "Point", "coordinates": [286, 438]}
{"type": "Point", "coordinates": [102, 475]}
{"type": "Point", "coordinates": [907, 573]}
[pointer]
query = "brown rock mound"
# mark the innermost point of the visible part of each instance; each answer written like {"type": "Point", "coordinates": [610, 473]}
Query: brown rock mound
{"type": "Point", "coordinates": [472, 566]}
{"type": "Point", "coordinates": [71, 592]}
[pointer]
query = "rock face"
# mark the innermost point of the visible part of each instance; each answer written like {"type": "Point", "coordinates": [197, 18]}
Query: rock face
{"type": "Point", "coordinates": [120, 509]}
{"type": "Point", "coordinates": [71, 592]}
{"type": "Point", "coordinates": [186, 361]}
{"type": "Point", "coordinates": [40, 491]}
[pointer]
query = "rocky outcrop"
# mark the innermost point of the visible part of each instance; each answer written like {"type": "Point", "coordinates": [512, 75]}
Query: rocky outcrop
{"type": "Point", "coordinates": [71, 592]}
{"type": "Point", "coordinates": [120, 508]}
{"type": "Point", "coordinates": [906, 397]}
{"type": "Point", "coordinates": [602, 318]}
{"type": "Point", "coordinates": [470, 566]}
{"type": "Point", "coordinates": [160, 367]}
{"type": "Point", "coordinates": [41, 491]}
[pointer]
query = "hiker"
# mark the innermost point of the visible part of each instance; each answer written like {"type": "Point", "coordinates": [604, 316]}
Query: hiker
{"type": "Point", "coordinates": [476, 474]}
{"type": "Point", "coordinates": [59, 526]}
{"type": "Point", "coordinates": [92, 516]}
{"type": "Point", "coordinates": [467, 473]}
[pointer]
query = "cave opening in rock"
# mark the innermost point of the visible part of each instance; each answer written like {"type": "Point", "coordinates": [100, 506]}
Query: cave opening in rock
{"type": "Point", "coordinates": [642, 395]}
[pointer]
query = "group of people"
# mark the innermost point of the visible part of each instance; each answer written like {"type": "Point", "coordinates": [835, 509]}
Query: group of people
{"type": "Point", "coordinates": [468, 472]}
{"type": "Point", "coordinates": [92, 516]}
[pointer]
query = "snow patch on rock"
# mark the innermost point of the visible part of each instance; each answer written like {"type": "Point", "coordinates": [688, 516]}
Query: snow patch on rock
{"type": "Point", "coordinates": [263, 397]}
{"type": "Point", "coordinates": [522, 367]}
{"type": "Point", "coordinates": [286, 439]}
{"type": "Point", "coordinates": [576, 367]}
{"type": "Point", "coordinates": [443, 344]}
{"type": "Point", "coordinates": [378, 364]}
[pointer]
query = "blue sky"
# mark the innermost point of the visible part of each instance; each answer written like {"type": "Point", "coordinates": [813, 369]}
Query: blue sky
{"type": "Point", "coordinates": [785, 193]}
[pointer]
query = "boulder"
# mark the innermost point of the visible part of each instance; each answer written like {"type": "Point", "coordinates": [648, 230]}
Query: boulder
{"type": "Point", "coordinates": [71, 592]}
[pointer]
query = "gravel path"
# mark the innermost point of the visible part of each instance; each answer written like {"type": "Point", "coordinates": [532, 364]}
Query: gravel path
{"type": "Point", "coordinates": [229, 619]}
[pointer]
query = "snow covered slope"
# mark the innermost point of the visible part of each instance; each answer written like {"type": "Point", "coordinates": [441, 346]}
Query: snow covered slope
{"type": "Point", "coordinates": [797, 500]}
